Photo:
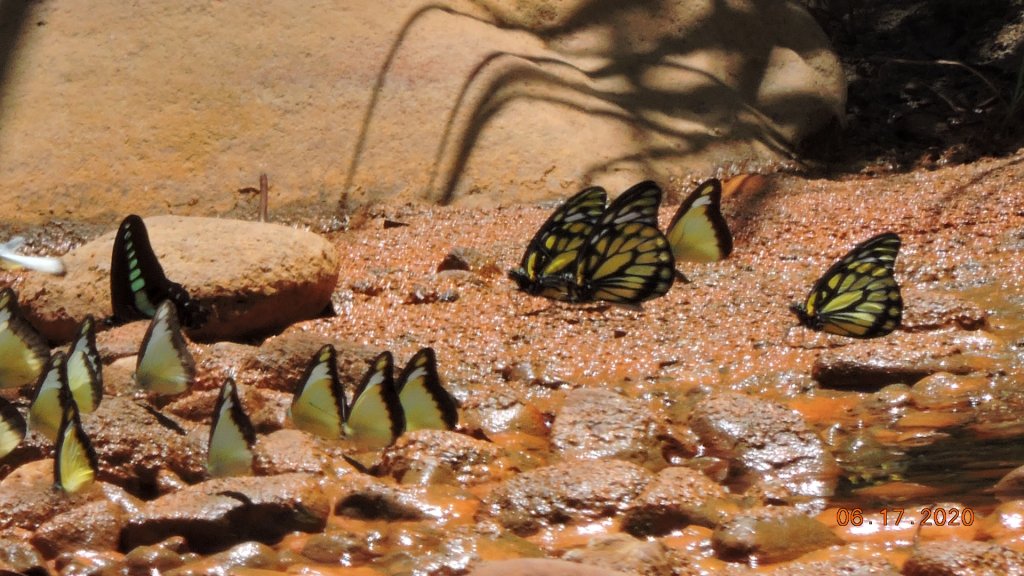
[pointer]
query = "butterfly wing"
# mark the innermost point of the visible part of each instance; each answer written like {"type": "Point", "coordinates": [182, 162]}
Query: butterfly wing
{"type": "Point", "coordinates": [858, 296]}
{"type": "Point", "coordinates": [75, 465]}
{"type": "Point", "coordinates": [85, 371]}
{"type": "Point", "coordinates": [12, 428]}
{"type": "Point", "coordinates": [425, 402]}
{"type": "Point", "coordinates": [231, 435]}
{"type": "Point", "coordinates": [50, 398]}
{"type": "Point", "coordinates": [556, 245]}
{"type": "Point", "coordinates": [23, 352]}
{"type": "Point", "coordinates": [698, 232]}
{"type": "Point", "coordinates": [626, 260]}
{"type": "Point", "coordinates": [165, 366]}
{"type": "Point", "coordinates": [375, 417]}
{"type": "Point", "coordinates": [319, 404]}
{"type": "Point", "coordinates": [137, 281]}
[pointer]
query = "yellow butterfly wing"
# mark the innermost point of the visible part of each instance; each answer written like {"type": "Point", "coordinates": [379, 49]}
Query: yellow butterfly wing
{"type": "Point", "coordinates": [229, 451]}
{"type": "Point", "coordinates": [85, 371]}
{"type": "Point", "coordinates": [75, 464]}
{"type": "Point", "coordinates": [318, 406]}
{"type": "Point", "coordinates": [165, 366]}
{"type": "Point", "coordinates": [858, 296]}
{"type": "Point", "coordinates": [375, 417]}
{"type": "Point", "coordinates": [555, 246]}
{"type": "Point", "coordinates": [698, 231]}
{"type": "Point", "coordinates": [425, 402]}
{"type": "Point", "coordinates": [12, 428]}
{"type": "Point", "coordinates": [23, 352]}
{"type": "Point", "coordinates": [50, 398]}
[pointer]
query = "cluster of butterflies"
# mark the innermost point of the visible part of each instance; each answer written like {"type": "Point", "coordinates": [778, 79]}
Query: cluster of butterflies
{"type": "Point", "coordinates": [586, 252]}
{"type": "Point", "coordinates": [68, 385]}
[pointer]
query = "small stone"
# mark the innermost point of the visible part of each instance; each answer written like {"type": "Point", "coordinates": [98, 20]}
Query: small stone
{"type": "Point", "coordinates": [595, 424]}
{"type": "Point", "coordinates": [770, 535]}
{"type": "Point", "coordinates": [953, 558]}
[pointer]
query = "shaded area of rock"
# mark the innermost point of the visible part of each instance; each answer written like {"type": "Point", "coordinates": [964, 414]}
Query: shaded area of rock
{"type": "Point", "coordinates": [676, 498]}
{"type": "Point", "coordinates": [964, 559]}
{"type": "Point", "coordinates": [223, 512]}
{"type": "Point", "coordinates": [367, 498]}
{"type": "Point", "coordinates": [160, 557]}
{"type": "Point", "coordinates": [766, 443]}
{"type": "Point", "coordinates": [255, 278]}
{"type": "Point", "coordinates": [438, 456]}
{"type": "Point", "coordinates": [771, 535]}
{"type": "Point", "coordinates": [93, 526]}
{"type": "Point", "coordinates": [569, 492]}
{"type": "Point", "coordinates": [595, 424]}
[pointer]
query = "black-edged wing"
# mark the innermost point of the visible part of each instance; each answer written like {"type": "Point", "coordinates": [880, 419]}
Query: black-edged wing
{"type": "Point", "coordinates": [50, 398]}
{"type": "Point", "coordinates": [12, 428]}
{"type": "Point", "coordinates": [23, 352]}
{"type": "Point", "coordinates": [698, 231]}
{"type": "Point", "coordinates": [425, 402]}
{"type": "Point", "coordinates": [75, 465]}
{"type": "Point", "coordinates": [164, 366]}
{"type": "Point", "coordinates": [858, 296]}
{"type": "Point", "coordinates": [232, 436]}
{"type": "Point", "coordinates": [375, 417]}
{"type": "Point", "coordinates": [556, 244]}
{"type": "Point", "coordinates": [137, 281]}
{"type": "Point", "coordinates": [85, 370]}
{"type": "Point", "coordinates": [318, 406]}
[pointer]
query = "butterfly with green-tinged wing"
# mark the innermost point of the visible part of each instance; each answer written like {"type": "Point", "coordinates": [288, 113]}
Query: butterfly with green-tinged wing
{"type": "Point", "coordinates": [375, 417]}
{"type": "Point", "coordinates": [319, 406]}
{"type": "Point", "coordinates": [75, 465]}
{"type": "Point", "coordinates": [12, 428]}
{"type": "Point", "coordinates": [137, 281]}
{"type": "Point", "coordinates": [51, 397]}
{"type": "Point", "coordinates": [425, 402]}
{"type": "Point", "coordinates": [164, 366]}
{"type": "Point", "coordinates": [84, 368]}
{"type": "Point", "coordinates": [556, 245]}
{"type": "Point", "coordinates": [857, 296]}
{"type": "Point", "coordinates": [626, 259]}
{"type": "Point", "coordinates": [698, 232]}
{"type": "Point", "coordinates": [23, 352]}
{"type": "Point", "coordinates": [229, 451]}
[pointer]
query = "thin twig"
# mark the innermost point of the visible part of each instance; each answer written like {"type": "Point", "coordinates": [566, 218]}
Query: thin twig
{"type": "Point", "coordinates": [264, 196]}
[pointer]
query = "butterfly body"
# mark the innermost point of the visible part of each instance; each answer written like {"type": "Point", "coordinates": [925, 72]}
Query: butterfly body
{"type": "Point", "coordinates": [23, 352]}
{"type": "Point", "coordinates": [858, 296]}
{"type": "Point", "coordinates": [137, 281]}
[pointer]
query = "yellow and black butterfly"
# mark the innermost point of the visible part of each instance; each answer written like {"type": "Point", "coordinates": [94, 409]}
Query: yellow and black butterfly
{"type": "Point", "coordinates": [858, 296]}
{"type": "Point", "coordinates": [698, 231]}
{"type": "Point", "coordinates": [553, 250]}
{"type": "Point", "coordinates": [23, 352]}
{"type": "Point", "coordinates": [375, 417]}
{"type": "Point", "coordinates": [318, 406]}
{"type": "Point", "coordinates": [229, 452]}
{"type": "Point", "coordinates": [75, 465]}
{"type": "Point", "coordinates": [137, 281]}
{"type": "Point", "coordinates": [626, 259]}
{"type": "Point", "coordinates": [85, 370]}
{"type": "Point", "coordinates": [164, 366]}
{"type": "Point", "coordinates": [425, 402]}
{"type": "Point", "coordinates": [12, 428]}
{"type": "Point", "coordinates": [50, 398]}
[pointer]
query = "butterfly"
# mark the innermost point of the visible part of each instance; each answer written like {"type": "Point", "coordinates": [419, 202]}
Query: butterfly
{"type": "Point", "coordinates": [75, 465]}
{"type": "Point", "coordinates": [9, 258]}
{"type": "Point", "coordinates": [858, 296]}
{"type": "Point", "coordinates": [425, 402]}
{"type": "Point", "coordinates": [50, 398]}
{"type": "Point", "coordinates": [698, 231]}
{"type": "Point", "coordinates": [375, 416]}
{"type": "Point", "coordinates": [165, 366]}
{"type": "Point", "coordinates": [556, 245]}
{"type": "Point", "coordinates": [626, 259]}
{"type": "Point", "coordinates": [318, 406]}
{"type": "Point", "coordinates": [232, 436]}
{"type": "Point", "coordinates": [23, 352]}
{"type": "Point", "coordinates": [138, 283]}
{"type": "Point", "coordinates": [85, 371]}
{"type": "Point", "coordinates": [12, 428]}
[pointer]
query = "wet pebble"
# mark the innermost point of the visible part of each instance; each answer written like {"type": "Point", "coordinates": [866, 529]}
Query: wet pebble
{"type": "Point", "coordinates": [335, 547]}
{"type": "Point", "coordinates": [93, 526]}
{"type": "Point", "coordinates": [772, 534]}
{"type": "Point", "coordinates": [676, 498]}
{"type": "Point", "coordinates": [287, 451]}
{"type": "Point", "coordinates": [158, 557]}
{"type": "Point", "coordinates": [439, 456]}
{"type": "Point", "coordinates": [495, 410]}
{"type": "Point", "coordinates": [945, 391]}
{"type": "Point", "coordinates": [938, 310]}
{"type": "Point", "coordinates": [244, 555]}
{"type": "Point", "coordinates": [956, 558]}
{"type": "Point", "coordinates": [19, 556]}
{"type": "Point", "coordinates": [470, 260]}
{"type": "Point", "coordinates": [627, 554]}
{"type": "Point", "coordinates": [839, 566]}
{"type": "Point", "coordinates": [367, 498]}
{"type": "Point", "coordinates": [540, 567]}
{"type": "Point", "coordinates": [1003, 523]}
{"type": "Point", "coordinates": [88, 563]}
{"type": "Point", "coordinates": [594, 424]}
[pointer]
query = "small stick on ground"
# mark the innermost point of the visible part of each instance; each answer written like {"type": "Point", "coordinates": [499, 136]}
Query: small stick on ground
{"type": "Point", "coordinates": [264, 196]}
